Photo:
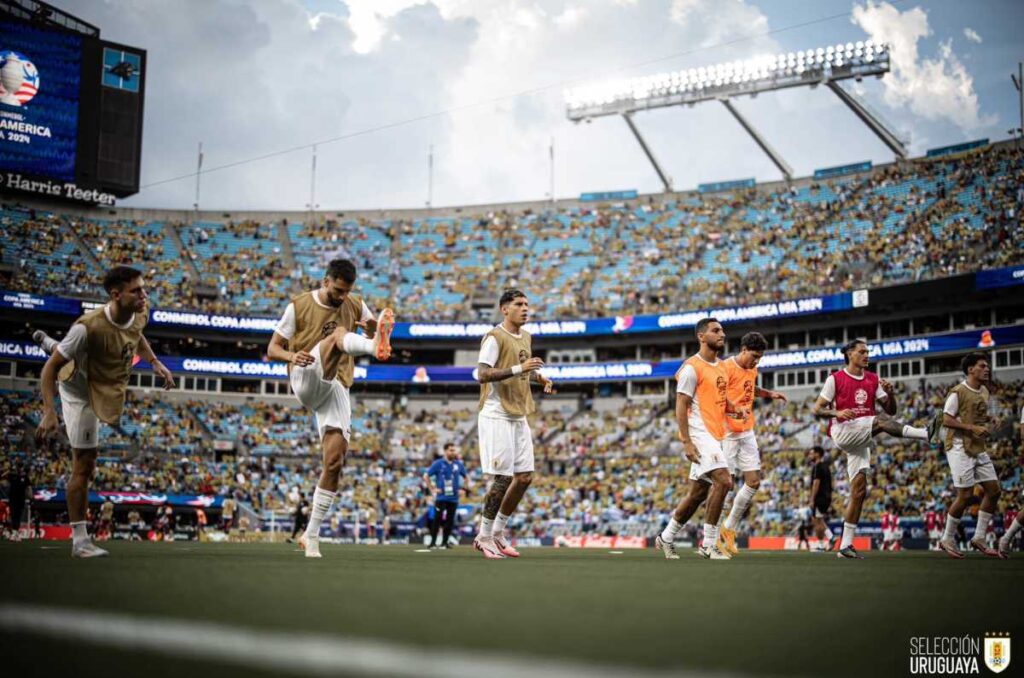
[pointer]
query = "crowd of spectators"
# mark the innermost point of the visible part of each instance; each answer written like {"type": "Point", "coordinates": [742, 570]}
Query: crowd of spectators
{"type": "Point", "coordinates": [913, 221]}
{"type": "Point", "coordinates": [605, 470]}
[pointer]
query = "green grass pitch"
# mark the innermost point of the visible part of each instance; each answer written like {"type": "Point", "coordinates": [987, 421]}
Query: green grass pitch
{"type": "Point", "coordinates": [777, 613]}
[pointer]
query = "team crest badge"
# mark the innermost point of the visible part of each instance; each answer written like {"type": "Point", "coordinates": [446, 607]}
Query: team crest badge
{"type": "Point", "coordinates": [861, 396]}
{"type": "Point", "coordinates": [997, 653]}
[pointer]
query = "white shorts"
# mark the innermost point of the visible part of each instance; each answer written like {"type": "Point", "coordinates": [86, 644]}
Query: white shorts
{"type": "Point", "coordinates": [506, 446]}
{"type": "Point", "coordinates": [712, 456]}
{"type": "Point", "coordinates": [854, 438]}
{"type": "Point", "coordinates": [81, 424]}
{"type": "Point", "coordinates": [328, 399]}
{"type": "Point", "coordinates": [742, 453]}
{"type": "Point", "coordinates": [969, 471]}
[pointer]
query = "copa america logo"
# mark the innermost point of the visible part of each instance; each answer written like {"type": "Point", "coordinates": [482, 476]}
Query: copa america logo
{"type": "Point", "coordinates": [19, 79]}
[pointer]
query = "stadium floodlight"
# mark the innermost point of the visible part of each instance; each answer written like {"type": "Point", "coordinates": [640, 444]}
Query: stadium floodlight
{"type": "Point", "coordinates": [721, 82]}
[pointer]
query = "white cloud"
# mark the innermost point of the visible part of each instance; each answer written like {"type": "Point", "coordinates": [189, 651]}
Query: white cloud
{"type": "Point", "coordinates": [933, 88]}
{"type": "Point", "coordinates": [972, 35]}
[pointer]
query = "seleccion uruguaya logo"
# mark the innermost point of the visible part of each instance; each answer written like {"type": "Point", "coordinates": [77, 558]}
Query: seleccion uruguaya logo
{"type": "Point", "coordinates": [19, 79]}
{"type": "Point", "coordinates": [959, 655]}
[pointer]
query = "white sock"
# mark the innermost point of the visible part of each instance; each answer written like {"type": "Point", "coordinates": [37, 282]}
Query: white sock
{"type": "Point", "coordinates": [322, 502]}
{"type": "Point", "coordinates": [79, 532]}
{"type": "Point", "coordinates": [1012, 530]}
{"type": "Point", "coordinates": [981, 531]}
{"type": "Point", "coordinates": [671, 530]}
{"type": "Point", "coordinates": [951, 523]}
{"type": "Point", "coordinates": [739, 506]}
{"type": "Point", "coordinates": [710, 535]}
{"type": "Point", "coordinates": [849, 531]}
{"type": "Point", "coordinates": [486, 527]}
{"type": "Point", "coordinates": [49, 343]}
{"type": "Point", "coordinates": [500, 521]}
{"type": "Point", "coordinates": [914, 432]}
{"type": "Point", "coordinates": [828, 533]}
{"type": "Point", "coordinates": [357, 344]}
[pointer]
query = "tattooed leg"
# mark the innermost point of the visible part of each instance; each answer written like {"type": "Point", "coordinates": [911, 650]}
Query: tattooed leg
{"type": "Point", "coordinates": [515, 492]}
{"type": "Point", "coordinates": [495, 495]}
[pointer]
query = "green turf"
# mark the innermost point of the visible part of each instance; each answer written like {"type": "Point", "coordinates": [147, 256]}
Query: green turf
{"type": "Point", "coordinates": [761, 613]}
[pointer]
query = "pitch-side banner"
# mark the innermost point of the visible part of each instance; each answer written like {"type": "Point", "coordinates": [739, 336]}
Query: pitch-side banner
{"type": "Point", "coordinates": [576, 372]}
{"type": "Point", "coordinates": [49, 494]}
{"type": "Point", "coordinates": [623, 324]}
{"type": "Point", "coordinates": [999, 277]}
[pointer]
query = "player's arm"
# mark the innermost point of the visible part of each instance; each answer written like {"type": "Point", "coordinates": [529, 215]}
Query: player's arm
{"type": "Point", "coordinates": [145, 351]}
{"type": "Point", "coordinates": [889, 401]}
{"type": "Point", "coordinates": [48, 388]}
{"type": "Point", "coordinates": [951, 422]}
{"type": "Point", "coordinates": [815, 486]}
{"type": "Point", "coordinates": [774, 395]}
{"type": "Point", "coordinates": [277, 350]}
{"type": "Point", "coordinates": [537, 378]}
{"type": "Point", "coordinates": [683, 403]}
{"type": "Point", "coordinates": [485, 373]}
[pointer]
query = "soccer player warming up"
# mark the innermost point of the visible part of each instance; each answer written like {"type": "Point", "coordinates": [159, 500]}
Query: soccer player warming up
{"type": "Point", "coordinates": [848, 400]}
{"type": "Point", "coordinates": [505, 372]}
{"type": "Point", "coordinates": [965, 416]}
{"type": "Point", "coordinates": [701, 410]}
{"type": "Point", "coordinates": [94, 362]}
{"type": "Point", "coordinates": [740, 444]}
{"type": "Point", "coordinates": [316, 337]}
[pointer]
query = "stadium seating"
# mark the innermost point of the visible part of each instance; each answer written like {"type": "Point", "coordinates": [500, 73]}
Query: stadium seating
{"type": "Point", "coordinates": [929, 219]}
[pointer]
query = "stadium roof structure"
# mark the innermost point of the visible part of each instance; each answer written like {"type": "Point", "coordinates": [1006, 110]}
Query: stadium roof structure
{"type": "Point", "coordinates": [723, 82]}
{"type": "Point", "coordinates": [42, 13]}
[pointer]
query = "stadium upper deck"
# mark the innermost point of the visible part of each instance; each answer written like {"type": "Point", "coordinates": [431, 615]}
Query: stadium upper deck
{"type": "Point", "coordinates": [922, 220]}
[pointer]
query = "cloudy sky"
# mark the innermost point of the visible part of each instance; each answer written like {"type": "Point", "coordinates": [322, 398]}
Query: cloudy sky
{"type": "Point", "coordinates": [380, 81]}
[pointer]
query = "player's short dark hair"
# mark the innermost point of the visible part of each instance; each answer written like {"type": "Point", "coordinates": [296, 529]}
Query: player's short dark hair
{"type": "Point", "coordinates": [342, 269]}
{"type": "Point", "coordinates": [510, 295]}
{"type": "Point", "coordinates": [972, 359]}
{"type": "Point", "coordinates": [702, 324]}
{"type": "Point", "coordinates": [119, 276]}
{"type": "Point", "coordinates": [848, 348]}
{"type": "Point", "coordinates": [754, 341]}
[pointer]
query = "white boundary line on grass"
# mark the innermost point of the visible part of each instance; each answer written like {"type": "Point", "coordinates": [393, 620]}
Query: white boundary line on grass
{"type": "Point", "coordinates": [293, 652]}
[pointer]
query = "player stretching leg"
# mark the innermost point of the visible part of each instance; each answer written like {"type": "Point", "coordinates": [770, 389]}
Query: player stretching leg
{"type": "Point", "coordinates": [848, 398]}
{"type": "Point", "coordinates": [505, 372]}
{"type": "Point", "coordinates": [316, 337]}
{"type": "Point", "coordinates": [1006, 541]}
{"type": "Point", "coordinates": [94, 361]}
{"type": "Point", "coordinates": [965, 416]}
{"type": "Point", "coordinates": [740, 444]}
{"type": "Point", "coordinates": [701, 410]}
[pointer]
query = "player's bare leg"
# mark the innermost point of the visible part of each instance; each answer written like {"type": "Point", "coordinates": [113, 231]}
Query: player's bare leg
{"type": "Point", "coordinates": [740, 505]}
{"type": "Point", "coordinates": [513, 495]}
{"type": "Point", "coordinates": [1011, 531]}
{"type": "Point", "coordinates": [854, 506]}
{"type": "Point", "coordinates": [696, 495]}
{"type": "Point", "coordinates": [44, 341]}
{"type": "Point", "coordinates": [484, 541]}
{"type": "Point", "coordinates": [721, 484]}
{"type": "Point", "coordinates": [988, 507]}
{"type": "Point", "coordinates": [351, 343]}
{"type": "Point", "coordinates": [334, 449]}
{"type": "Point", "coordinates": [83, 465]}
{"type": "Point", "coordinates": [885, 424]}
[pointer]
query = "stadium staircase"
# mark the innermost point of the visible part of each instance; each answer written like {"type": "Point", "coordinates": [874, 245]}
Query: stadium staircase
{"type": "Point", "coordinates": [172, 232]}
{"type": "Point", "coordinates": [286, 245]}
{"type": "Point", "coordinates": [86, 253]}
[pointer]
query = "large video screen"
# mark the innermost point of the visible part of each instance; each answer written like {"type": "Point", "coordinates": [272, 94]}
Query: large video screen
{"type": "Point", "coordinates": [39, 93]}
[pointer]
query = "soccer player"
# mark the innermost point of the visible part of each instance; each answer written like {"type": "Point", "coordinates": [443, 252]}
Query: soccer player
{"type": "Point", "coordinates": [821, 498]}
{"type": "Point", "coordinates": [94, 361]}
{"type": "Point", "coordinates": [892, 534]}
{"type": "Point", "coordinates": [701, 410]}
{"type": "Point", "coordinates": [740, 444]}
{"type": "Point", "coordinates": [106, 528]}
{"type": "Point", "coordinates": [933, 526]}
{"type": "Point", "coordinates": [506, 369]}
{"type": "Point", "coordinates": [1013, 521]}
{"type": "Point", "coordinates": [848, 399]}
{"type": "Point", "coordinates": [966, 418]}
{"type": "Point", "coordinates": [447, 475]}
{"type": "Point", "coordinates": [317, 337]}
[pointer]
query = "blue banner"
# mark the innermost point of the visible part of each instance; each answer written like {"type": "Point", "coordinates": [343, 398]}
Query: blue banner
{"type": "Point", "coordinates": [608, 195]}
{"type": "Point", "coordinates": [999, 277]}
{"type": "Point", "coordinates": [624, 324]}
{"type": "Point", "coordinates": [577, 372]}
{"type": "Point", "coordinates": [840, 170]}
{"type": "Point", "coordinates": [39, 100]}
{"type": "Point", "coordinates": [717, 186]}
{"type": "Point", "coordinates": [956, 148]}
{"type": "Point", "coordinates": [205, 501]}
